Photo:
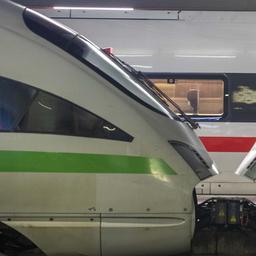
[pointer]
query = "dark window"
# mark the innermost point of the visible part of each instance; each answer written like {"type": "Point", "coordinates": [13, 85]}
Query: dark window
{"type": "Point", "coordinates": [26, 109]}
{"type": "Point", "coordinates": [243, 100]}
{"type": "Point", "coordinates": [48, 29]}
{"type": "Point", "coordinates": [15, 99]}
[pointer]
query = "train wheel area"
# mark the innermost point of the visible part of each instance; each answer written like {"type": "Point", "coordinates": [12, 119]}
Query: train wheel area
{"type": "Point", "coordinates": [214, 241]}
{"type": "Point", "coordinates": [12, 243]}
{"type": "Point", "coordinates": [225, 226]}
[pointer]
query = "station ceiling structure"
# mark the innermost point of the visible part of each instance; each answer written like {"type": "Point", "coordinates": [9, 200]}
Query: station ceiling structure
{"type": "Point", "coordinates": [204, 5]}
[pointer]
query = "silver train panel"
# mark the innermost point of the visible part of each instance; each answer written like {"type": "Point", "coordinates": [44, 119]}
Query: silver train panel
{"type": "Point", "coordinates": [81, 210]}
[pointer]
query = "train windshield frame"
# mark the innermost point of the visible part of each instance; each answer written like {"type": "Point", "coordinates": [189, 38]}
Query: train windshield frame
{"type": "Point", "coordinates": [95, 58]}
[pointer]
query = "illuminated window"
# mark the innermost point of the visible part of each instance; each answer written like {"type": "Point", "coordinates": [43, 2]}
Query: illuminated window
{"type": "Point", "coordinates": [201, 97]}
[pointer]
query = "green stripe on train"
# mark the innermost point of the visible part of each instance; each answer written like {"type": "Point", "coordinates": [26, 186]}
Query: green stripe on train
{"type": "Point", "coordinates": [26, 161]}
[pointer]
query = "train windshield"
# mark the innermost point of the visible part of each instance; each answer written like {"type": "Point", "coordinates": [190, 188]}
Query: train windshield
{"type": "Point", "coordinates": [121, 72]}
{"type": "Point", "coordinates": [96, 59]}
{"type": "Point", "coordinates": [159, 93]}
{"type": "Point", "coordinates": [99, 61]}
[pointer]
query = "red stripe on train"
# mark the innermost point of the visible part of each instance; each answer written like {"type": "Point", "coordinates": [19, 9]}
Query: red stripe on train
{"type": "Point", "coordinates": [228, 144]}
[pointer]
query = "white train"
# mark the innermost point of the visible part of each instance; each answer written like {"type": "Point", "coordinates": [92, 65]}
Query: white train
{"type": "Point", "coordinates": [209, 55]}
{"type": "Point", "coordinates": [92, 159]}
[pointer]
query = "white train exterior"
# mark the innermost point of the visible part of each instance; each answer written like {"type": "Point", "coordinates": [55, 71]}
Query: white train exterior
{"type": "Point", "coordinates": [193, 45]}
{"type": "Point", "coordinates": [92, 161]}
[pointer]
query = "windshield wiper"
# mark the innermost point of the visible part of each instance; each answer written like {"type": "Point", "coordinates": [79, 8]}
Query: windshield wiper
{"type": "Point", "coordinates": [149, 84]}
{"type": "Point", "coordinates": [192, 123]}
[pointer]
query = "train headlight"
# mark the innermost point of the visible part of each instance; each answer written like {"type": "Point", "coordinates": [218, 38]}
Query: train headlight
{"type": "Point", "coordinates": [215, 170]}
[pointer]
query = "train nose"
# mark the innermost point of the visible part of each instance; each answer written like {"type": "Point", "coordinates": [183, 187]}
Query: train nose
{"type": "Point", "coordinates": [247, 167]}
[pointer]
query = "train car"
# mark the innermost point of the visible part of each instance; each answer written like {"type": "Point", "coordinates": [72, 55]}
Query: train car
{"type": "Point", "coordinates": [93, 161]}
{"type": "Point", "coordinates": [205, 61]}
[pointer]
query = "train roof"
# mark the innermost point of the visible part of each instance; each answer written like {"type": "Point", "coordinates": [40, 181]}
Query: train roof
{"type": "Point", "coordinates": [10, 14]}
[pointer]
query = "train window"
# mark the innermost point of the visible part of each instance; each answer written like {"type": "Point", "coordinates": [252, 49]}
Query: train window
{"type": "Point", "coordinates": [52, 31]}
{"type": "Point", "coordinates": [197, 97]}
{"type": "Point", "coordinates": [51, 114]}
{"type": "Point", "coordinates": [243, 100]}
{"type": "Point", "coordinates": [24, 108]}
{"type": "Point", "coordinates": [14, 101]}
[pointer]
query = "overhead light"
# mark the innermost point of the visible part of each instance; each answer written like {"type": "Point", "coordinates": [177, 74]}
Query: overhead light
{"type": "Point", "coordinates": [141, 66]}
{"type": "Point", "coordinates": [206, 56]}
{"type": "Point", "coordinates": [92, 8]}
{"type": "Point", "coordinates": [133, 55]}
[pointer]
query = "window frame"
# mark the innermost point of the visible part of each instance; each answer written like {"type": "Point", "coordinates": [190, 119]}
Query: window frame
{"type": "Point", "coordinates": [200, 76]}
{"type": "Point", "coordinates": [130, 138]}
